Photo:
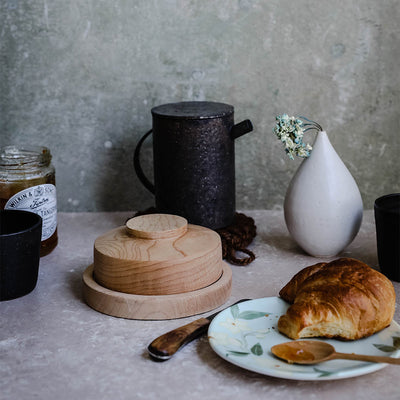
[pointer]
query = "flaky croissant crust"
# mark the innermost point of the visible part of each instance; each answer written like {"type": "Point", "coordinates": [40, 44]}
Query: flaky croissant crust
{"type": "Point", "coordinates": [344, 299]}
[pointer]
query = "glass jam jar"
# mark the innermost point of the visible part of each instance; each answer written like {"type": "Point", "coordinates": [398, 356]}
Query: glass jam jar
{"type": "Point", "coordinates": [27, 182]}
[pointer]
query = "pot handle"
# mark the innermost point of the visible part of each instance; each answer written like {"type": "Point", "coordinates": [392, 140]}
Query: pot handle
{"type": "Point", "coordinates": [241, 128]}
{"type": "Point", "coordinates": [138, 168]}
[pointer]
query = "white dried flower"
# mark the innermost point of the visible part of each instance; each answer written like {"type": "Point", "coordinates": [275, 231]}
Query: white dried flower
{"type": "Point", "coordinates": [290, 131]}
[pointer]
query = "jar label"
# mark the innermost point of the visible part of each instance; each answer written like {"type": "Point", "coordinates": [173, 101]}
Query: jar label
{"type": "Point", "coordinates": [40, 199]}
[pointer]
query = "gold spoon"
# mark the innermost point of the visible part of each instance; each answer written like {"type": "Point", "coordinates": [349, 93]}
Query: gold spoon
{"type": "Point", "coordinates": [313, 352]}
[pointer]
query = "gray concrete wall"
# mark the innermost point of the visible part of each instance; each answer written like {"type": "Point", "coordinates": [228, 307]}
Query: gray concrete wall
{"type": "Point", "coordinates": [81, 76]}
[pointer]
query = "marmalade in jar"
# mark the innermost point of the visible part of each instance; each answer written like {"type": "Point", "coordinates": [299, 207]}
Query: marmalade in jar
{"type": "Point", "coordinates": [27, 182]}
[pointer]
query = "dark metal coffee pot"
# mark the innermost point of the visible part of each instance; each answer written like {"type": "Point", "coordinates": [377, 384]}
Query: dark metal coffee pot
{"type": "Point", "coordinates": [194, 161]}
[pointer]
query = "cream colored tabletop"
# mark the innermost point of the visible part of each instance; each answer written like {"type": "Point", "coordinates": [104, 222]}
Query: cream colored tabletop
{"type": "Point", "coordinates": [53, 346]}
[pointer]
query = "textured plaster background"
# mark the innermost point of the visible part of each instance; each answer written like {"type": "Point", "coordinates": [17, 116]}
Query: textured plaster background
{"type": "Point", "coordinates": [81, 77]}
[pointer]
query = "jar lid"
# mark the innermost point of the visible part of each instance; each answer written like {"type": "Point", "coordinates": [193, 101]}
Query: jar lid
{"type": "Point", "coordinates": [17, 156]}
{"type": "Point", "coordinates": [193, 110]}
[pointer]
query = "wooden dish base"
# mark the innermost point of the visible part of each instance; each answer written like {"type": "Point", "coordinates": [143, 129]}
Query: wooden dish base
{"type": "Point", "coordinates": [158, 307]}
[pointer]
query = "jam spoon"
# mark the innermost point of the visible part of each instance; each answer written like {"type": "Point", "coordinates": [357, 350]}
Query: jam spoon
{"type": "Point", "coordinates": [314, 352]}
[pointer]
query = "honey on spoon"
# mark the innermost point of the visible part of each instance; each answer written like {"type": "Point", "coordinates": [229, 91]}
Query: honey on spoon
{"type": "Point", "coordinates": [314, 352]}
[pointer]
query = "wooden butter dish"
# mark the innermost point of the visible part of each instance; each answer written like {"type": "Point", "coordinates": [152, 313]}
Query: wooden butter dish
{"type": "Point", "coordinates": [157, 266]}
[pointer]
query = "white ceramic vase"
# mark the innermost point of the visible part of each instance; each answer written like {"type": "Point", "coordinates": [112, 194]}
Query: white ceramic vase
{"type": "Point", "coordinates": [323, 206]}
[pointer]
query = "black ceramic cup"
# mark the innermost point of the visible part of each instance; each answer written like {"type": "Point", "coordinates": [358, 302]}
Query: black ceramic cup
{"type": "Point", "coordinates": [20, 239]}
{"type": "Point", "coordinates": [387, 221]}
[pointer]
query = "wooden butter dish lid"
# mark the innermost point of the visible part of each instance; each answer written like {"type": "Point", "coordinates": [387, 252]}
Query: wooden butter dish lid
{"type": "Point", "coordinates": [157, 254]}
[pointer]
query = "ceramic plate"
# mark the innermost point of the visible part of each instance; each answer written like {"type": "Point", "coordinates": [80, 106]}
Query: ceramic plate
{"type": "Point", "coordinates": [244, 334]}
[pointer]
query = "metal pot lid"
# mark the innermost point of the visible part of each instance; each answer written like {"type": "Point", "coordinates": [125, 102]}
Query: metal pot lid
{"type": "Point", "coordinates": [192, 110]}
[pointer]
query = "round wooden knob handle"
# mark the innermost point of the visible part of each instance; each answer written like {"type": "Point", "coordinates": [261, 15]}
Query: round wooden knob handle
{"type": "Point", "coordinates": [157, 226]}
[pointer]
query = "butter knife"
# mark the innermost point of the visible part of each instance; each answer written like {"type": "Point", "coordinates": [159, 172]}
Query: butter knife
{"type": "Point", "coordinates": [166, 345]}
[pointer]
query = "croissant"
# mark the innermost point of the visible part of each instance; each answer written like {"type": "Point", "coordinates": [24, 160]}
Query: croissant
{"type": "Point", "coordinates": [344, 299]}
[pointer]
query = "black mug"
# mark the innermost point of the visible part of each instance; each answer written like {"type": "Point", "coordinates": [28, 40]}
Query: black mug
{"type": "Point", "coordinates": [194, 161]}
{"type": "Point", "coordinates": [20, 240]}
{"type": "Point", "coordinates": [387, 221]}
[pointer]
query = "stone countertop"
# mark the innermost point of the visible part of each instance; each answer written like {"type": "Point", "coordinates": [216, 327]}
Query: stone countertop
{"type": "Point", "coordinates": [53, 346]}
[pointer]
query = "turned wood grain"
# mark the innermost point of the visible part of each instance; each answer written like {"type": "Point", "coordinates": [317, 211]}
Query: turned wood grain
{"type": "Point", "coordinates": [157, 226]}
{"type": "Point", "coordinates": [158, 307]}
{"type": "Point", "coordinates": [163, 265]}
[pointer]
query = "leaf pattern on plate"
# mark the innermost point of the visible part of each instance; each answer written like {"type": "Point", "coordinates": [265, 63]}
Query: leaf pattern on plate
{"type": "Point", "coordinates": [257, 350]}
{"type": "Point", "coordinates": [248, 315]}
{"type": "Point", "coordinates": [389, 349]}
{"type": "Point", "coordinates": [238, 325]}
{"type": "Point", "coordinates": [236, 353]}
{"type": "Point", "coordinates": [323, 373]}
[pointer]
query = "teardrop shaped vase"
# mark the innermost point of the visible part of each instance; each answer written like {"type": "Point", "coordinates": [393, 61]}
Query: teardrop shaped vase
{"type": "Point", "coordinates": [323, 206]}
